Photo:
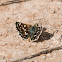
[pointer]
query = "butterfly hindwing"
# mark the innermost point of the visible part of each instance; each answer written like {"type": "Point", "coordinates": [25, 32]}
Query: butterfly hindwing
{"type": "Point", "coordinates": [37, 33]}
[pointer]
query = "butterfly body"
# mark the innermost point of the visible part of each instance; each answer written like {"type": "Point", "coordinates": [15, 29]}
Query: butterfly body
{"type": "Point", "coordinates": [28, 31]}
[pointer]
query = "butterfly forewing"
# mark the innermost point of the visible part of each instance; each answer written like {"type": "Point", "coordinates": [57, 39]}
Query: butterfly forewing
{"type": "Point", "coordinates": [23, 29]}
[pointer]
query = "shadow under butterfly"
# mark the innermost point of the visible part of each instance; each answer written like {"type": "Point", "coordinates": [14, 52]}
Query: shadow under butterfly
{"type": "Point", "coordinates": [44, 36]}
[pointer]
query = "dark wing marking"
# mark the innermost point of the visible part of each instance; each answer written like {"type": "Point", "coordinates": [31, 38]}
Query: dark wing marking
{"type": "Point", "coordinates": [23, 29]}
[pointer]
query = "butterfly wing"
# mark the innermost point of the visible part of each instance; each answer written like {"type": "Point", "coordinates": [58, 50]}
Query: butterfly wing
{"type": "Point", "coordinates": [23, 29]}
{"type": "Point", "coordinates": [36, 33]}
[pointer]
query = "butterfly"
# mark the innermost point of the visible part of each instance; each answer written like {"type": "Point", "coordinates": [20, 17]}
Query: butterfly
{"type": "Point", "coordinates": [28, 31]}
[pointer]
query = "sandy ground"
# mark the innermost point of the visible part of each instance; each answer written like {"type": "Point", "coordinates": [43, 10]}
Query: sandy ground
{"type": "Point", "coordinates": [46, 12]}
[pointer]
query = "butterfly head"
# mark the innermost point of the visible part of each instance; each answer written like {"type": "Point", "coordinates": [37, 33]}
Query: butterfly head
{"type": "Point", "coordinates": [36, 24]}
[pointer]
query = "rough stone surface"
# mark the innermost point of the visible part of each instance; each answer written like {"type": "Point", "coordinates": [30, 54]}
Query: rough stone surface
{"type": "Point", "coordinates": [46, 12]}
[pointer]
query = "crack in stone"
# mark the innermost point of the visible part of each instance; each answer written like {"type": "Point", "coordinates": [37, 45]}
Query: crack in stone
{"type": "Point", "coordinates": [12, 2]}
{"type": "Point", "coordinates": [38, 54]}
